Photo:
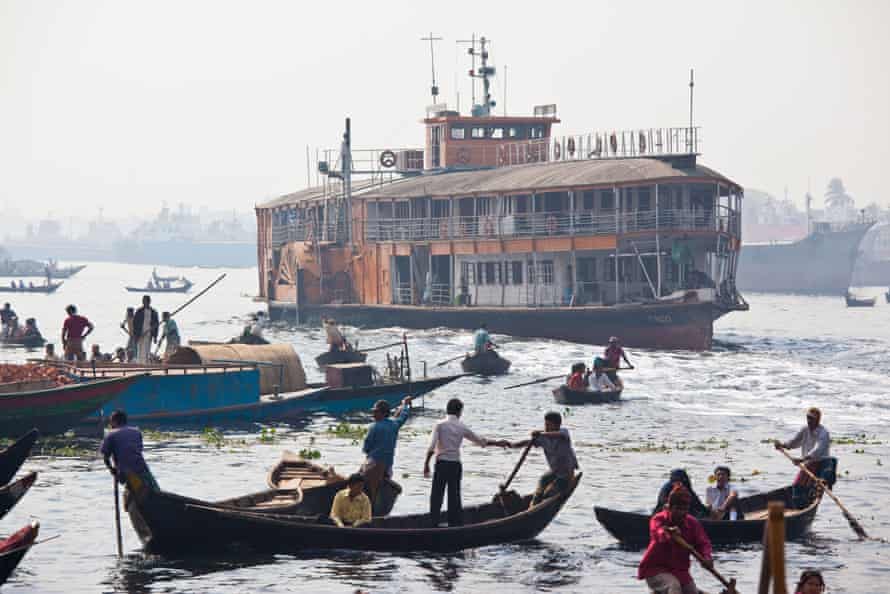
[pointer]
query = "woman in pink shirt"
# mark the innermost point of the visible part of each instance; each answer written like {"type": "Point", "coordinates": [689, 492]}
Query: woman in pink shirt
{"type": "Point", "coordinates": [665, 564]}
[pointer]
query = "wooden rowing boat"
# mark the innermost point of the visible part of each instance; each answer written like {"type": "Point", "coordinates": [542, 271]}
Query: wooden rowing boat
{"type": "Point", "coordinates": [486, 363]}
{"type": "Point", "coordinates": [12, 458]}
{"type": "Point", "coordinates": [565, 395]}
{"type": "Point", "coordinates": [319, 485]}
{"type": "Point", "coordinates": [334, 357]}
{"type": "Point", "coordinates": [181, 288]}
{"type": "Point", "coordinates": [43, 289]}
{"type": "Point", "coordinates": [860, 302]}
{"type": "Point", "coordinates": [157, 516]}
{"type": "Point", "coordinates": [10, 494]}
{"type": "Point", "coordinates": [632, 529]}
{"type": "Point", "coordinates": [33, 341]}
{"type": "Point", "coordinates": [12, 549]}
{"type": "Point", "coordinates": [55, 410]}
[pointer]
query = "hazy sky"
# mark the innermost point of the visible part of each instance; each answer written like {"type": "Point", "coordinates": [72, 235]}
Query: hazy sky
{"type": "Point", "coordinates": [123, 105]}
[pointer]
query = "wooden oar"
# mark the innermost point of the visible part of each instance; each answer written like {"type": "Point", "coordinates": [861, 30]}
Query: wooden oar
{"type": "Point", "coordinates": [190, 301]}
{"type": "Point", "coordinates": [525, 452]}
{"type": "Point", "coordinates": [553, 377]}
{"type": "Point", "coordinates": [377, 348]}
{"type": "Point", "coordinates": [450, 360]}
{"type": "Point", "coordinates": [728, 584]}
{"type": "Point", "coordinates": [117, 520]}
{"type": "Point", "coordinates": [854, 523]}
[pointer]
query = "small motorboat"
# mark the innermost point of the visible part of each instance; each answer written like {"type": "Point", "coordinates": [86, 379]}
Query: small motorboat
{"type": "Point", "coordinates": [45, 289]}
{"type": "Point", "coordinates": [12, 458]}
{"type": "Point", "coordinates": [12, 549]}
{"type": "Point", "coordinates": [158, 516]}
{"type": "Point", "coordinates": [486, 363]}
{"type": "Point", "coordinates": [632, 529]}
{"type": "Point", "coordinates": [859, 302]}
{"type": "Point", "coordinates": [565, 395]}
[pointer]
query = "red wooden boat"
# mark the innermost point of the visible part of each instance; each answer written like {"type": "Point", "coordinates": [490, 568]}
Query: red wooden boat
{"type": "Point", "coordinates": [55, 410]}
{"type": "Point", "coordinates": [14, 548]}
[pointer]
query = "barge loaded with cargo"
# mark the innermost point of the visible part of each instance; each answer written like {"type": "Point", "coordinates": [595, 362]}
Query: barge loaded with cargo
{"type": "Point", "coordinates": [575, 237]}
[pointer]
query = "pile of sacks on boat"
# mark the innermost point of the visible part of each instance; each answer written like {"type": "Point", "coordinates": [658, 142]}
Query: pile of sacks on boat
{"type": "Point", "coordinates": [32, 372]}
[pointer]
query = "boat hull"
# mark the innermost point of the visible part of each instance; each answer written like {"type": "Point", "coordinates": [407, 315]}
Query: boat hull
{"type": "Point", "coordinates": [12, 458]}
{"type": "Point", "coordinates": [13, 492]}
{"type": "Point", "coordinates": [564, 395]}
{"type": "Point", "coordinates": [55, 410]}
{"type": "Point", "coordinates": [819, 264]}
{"type": "Point", "coordinates": [334, 357]}
{"type": "Point", "coordinates": [218, 528]}
{"type": "Point", "coordinates": [658, 325]}
{"type": "Point", "coordinates": [487, 363]}
{"type": "Point", "coordinates": [14, 548]}
{"type": "Point", "coordinates": [632, 529]}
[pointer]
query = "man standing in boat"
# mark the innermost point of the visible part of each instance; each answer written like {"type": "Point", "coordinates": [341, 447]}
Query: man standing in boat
{"type": "Point", "coordinates": [6, 316]}
{"type": "Point", "coordinates": [557, 445]}
{"type": "Point", "coordinates": [170, 333]}
{"type": "Point", "coordinates": [124, 444]}
{"type": "Point", "coordinates": [335, 339]}
{"type": "Point", "coordinates": [380, 443]}
{"type": "Point", "coordinates": [815, 443]}
{"type": "Point", "coordinates": [445, 442]}
{"type": "Point", "coordinates": [614, 354]}
{"type": "Point", "coordinates": [481, 340]}
{"type": "Point", "coordinates": [146, 325]}
{"type": "Point", "coordinates": [73, 334]}
{"type": "Point", "coordinates": [665, 564]}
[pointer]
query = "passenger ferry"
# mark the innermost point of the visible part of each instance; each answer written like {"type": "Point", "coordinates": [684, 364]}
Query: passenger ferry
{"type": "Point", "coordinates": [498, 220]}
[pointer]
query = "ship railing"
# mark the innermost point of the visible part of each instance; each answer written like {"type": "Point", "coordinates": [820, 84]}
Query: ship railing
{"type": "Point", "coordinates": [603, 144]}
{"type": "Point", "coordinates": [304, 231]}
{"type": "Point", "coordinates": [543, 224]}
{"type": "Point", "coordinates": [440, 294]}
{"type": "Point", "coordinates": [403, 295]}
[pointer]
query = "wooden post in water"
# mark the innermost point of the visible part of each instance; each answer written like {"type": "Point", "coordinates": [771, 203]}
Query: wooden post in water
{"type": "Point", "coordinates": [773, 564]}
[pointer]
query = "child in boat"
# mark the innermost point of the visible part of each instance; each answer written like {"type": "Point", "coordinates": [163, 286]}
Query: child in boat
{"type": "Point", "coordinates": [351, 506]}
{"type": "Point", "coordinates": [810, 582]}
{"type": "Point", "coordinates": [577, 380]}
{"type": "Point", "coordinates": [665, 564]}
{"type": "Point", "coordinates": [557, 445]}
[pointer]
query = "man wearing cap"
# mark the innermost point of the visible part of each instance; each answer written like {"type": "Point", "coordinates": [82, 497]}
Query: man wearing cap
{"type": "Point", "coordinates": [665, 564]}
{"type": "Point", "coordinates": [815, 442]}
{"type": "Point", "coordinates": [380, 442]}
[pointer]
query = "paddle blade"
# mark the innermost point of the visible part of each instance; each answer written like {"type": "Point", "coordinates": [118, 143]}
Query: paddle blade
{"type": "Point", "coordinates": [855, 525]}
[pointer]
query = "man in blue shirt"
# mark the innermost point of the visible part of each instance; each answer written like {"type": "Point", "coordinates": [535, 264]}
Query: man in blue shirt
{"type": "Point", "coordinates": [124, 444]}
{"type": "Point", "coordinates": [380, 443]}
{"type": "Point", "coordinates": [481, 339]}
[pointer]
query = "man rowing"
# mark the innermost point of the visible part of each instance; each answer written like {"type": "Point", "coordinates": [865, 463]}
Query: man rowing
{"type": "Point", "coordinates": [815, 442]}
{"type": "Point", "coordinates": [335, 339]}
{"type": "Point", "coordinates": [614, 355]}
{"type": "Point", "coordinates": [557, 445]}
{"type": "Point", "coordinates": [380, 443]}
{"type": "Point", "coordinates": [665, 564]}
{"type": "Point", "coordinates": [481, 340]}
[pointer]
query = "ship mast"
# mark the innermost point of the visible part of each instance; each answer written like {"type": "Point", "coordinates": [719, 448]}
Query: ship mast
{"type": "Point", "coordinates": [485, 72]}
{"type": "Point", "coordinates": [434, 88]}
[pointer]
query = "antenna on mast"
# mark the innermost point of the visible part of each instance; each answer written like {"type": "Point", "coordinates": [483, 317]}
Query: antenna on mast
{"type": "Point", "coordinates": [485, 72]}
{"type": "Point", "coordinates": [472, 52]}
{"type": "Point", "coordinates": [689, 140]}
{"type": "Point", "coordinates": [434, 89]}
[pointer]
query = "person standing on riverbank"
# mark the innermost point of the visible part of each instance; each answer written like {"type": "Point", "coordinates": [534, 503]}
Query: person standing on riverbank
{"type": "Point", "coordinates": [146, 325]}
{"type": "Point", "coordinates": [73, 334]}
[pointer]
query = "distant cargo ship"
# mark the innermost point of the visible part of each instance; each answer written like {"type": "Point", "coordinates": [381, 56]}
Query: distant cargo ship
{"type": "Point", "coordinates": [819, 264]}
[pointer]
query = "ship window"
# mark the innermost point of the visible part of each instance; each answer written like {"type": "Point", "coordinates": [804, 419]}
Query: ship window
{"type": "Point", "coordinates": [403, 210]}
{"type": "Point", "coordinates": [643, 202]}
{"type": "Point", "coordinates": [609, 270]}
{"type": "Point", "coordinates": [458, 133]}
{"type": "Point", "coordinates": [545, 272]}
{"type": "Point", "coordinates": [495, 132]}
{"type": "Point", "coordinates": [586, 269]}
{"type": "Point", "coordinates": [515, 271]}
{"type": "Point", "coordinates": [588, 200]}
{"type": "Point", "coordinates": [467, 275]}
{"type": "Point", "coordinates": [490, 275]}
{"type": "Point", "coordinates": [514, 132]}
{"type": "Point", "coordinates": [607, 200]}
{"type": "Point", "coordinates": [478, 132]}
{"type": "Point", "coordinates": [537, 131]}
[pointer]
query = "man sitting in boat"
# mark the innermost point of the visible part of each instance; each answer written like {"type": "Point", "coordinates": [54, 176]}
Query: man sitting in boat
{"type": "Point", "coordinates": [722, 499]}
{"type": "Point", "coordinates": [124, 444]}
{"type": "Point", "coordinates": [351, 506]}
{"type": "Point", "coordinates": [481, 340]}
{"type": "Point", "coordinates": [614, 354]}
{"type": "Point", "coordinates": [680, 478]}
{"type": "Point", "coordinates": [557, 445]}
{"type": "Point", "coordinates": [600, 382]}
{"type": "Point", "coordinates": [335, 339]}
{"type": "Point", "coordinates": [380, 442]}
{"type": "Point", "coordinates": [578, 380]}
{"type": "Point", "coordinates": [97, 356]}
{"type": "Point", "coordinates": [815, 442]}
{"type": "Point", "coordinates": [30, 330]}
{"type": "Point", "coordinates": [6, 316]}
{"type": "Point", "coordinates": [49, 352]}
{"type": "Point", "coordinates": [665, 564]}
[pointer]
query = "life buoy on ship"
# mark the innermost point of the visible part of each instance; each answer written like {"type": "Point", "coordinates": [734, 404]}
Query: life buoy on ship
{"type": "Point", "coordinates": [642, 143]}
{"type": "Point", "coordinates": [556, 150]}
{"type": "Point", "coordinates": [613, 142]}
{"type": "Point", "coordinates": [463, 156]}
{"type": "Point", "coordinates": [570, 147]}
{"type": "Point", "coordinates": [387, 159]}
{"type": "Point", "coordinates": [551, 225]}
{"type": "Point", "coordinates": [488, 226]}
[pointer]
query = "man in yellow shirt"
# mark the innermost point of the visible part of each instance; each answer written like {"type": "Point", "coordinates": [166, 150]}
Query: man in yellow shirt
{"type": "Point", "coordinates": [351, 506]}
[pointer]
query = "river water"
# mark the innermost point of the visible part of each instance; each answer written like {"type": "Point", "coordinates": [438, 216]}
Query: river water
{"type": "Point", "coordinates": [680, 409]}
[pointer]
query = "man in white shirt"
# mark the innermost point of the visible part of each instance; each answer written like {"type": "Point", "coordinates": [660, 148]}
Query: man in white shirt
{"type": "Point", "coordinates": [445, 442]}
{"type": "Point", "coordinates": [599, 381]}
{"type": "Point", "coordinates": [721, 498]}
{"type": "Point", "coordinates": [815, 443]}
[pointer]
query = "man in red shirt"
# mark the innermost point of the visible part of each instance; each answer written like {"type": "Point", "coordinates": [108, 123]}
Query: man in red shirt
{"type": "Point", "coordinates": [73, 334]}
{"type": "Point", "coordinates": [665, 564]}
